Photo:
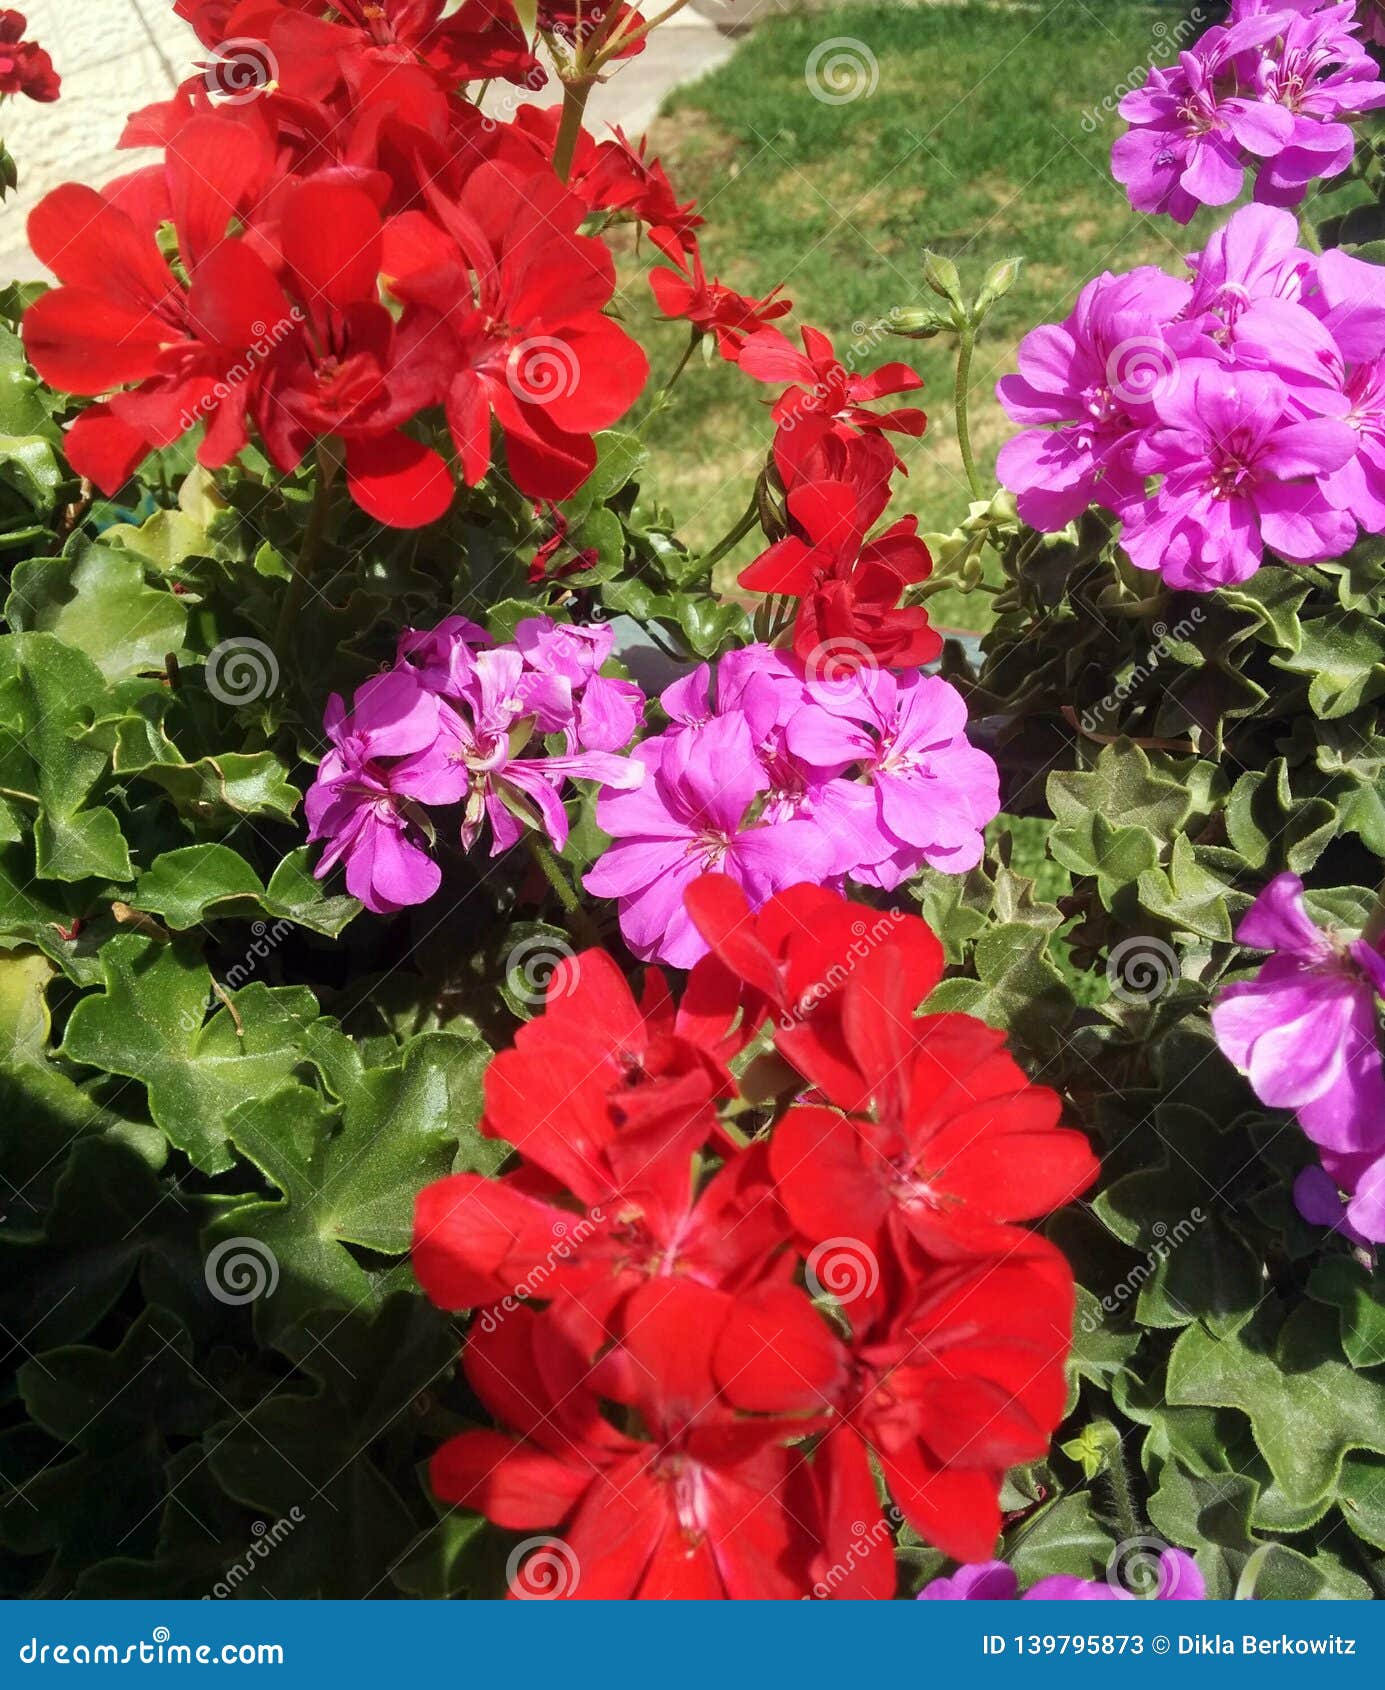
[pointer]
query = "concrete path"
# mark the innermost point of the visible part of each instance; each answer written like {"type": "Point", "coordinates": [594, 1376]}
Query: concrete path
{"type": "Point", "coordinates": [117, 55]}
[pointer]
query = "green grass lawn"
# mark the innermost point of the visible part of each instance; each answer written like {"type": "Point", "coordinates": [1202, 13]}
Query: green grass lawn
{"type": "Point", "coordinates": [973, 142]}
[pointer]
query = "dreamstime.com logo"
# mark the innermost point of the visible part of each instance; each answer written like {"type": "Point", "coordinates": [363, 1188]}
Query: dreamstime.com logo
{"type": "Point", "coordinates": [156, 1650]}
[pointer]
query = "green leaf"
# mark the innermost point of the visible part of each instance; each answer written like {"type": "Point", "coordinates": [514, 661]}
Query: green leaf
{"type": "Point", "coordinates": [1307, 1407]}
{"type": "Point", "coordinates": [150, 1023]}
{"type": "Point", "coordinates": [199, 883]}
{"type": "Point", "coordinates": [354, 1184]}
{"type": "Point", "coordinates": [1359, 1299]}
{"type": "Point", "coordinates": [45, 687]}
{"type": "Point", "coordinates": [97, 600]}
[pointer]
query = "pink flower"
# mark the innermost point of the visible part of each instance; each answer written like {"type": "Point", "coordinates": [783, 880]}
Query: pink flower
{"type": "Point", "coordinates": [1304, 1033]}
{"type": "Point", "coordinates": [474, 759]}
{"type": "Point", "coordinates": [359, 804]}
{"type": "Point", "coordinates": [692, 817]}
{"type": "Point", "coordinates": [605, 711]}
{"type": "Point", "coordinates": [1189, 138]}
{"type": "Point", "coordinates": [1268, 90]}
{"type": "Point", "coordinates": [1094, 375]}
{"type": "Point", "coordinates": [933, 791]}
{"type": "Point", "coordinates": [992, 1581]}
{"type": "Point", "coordinates": [1238, 468]}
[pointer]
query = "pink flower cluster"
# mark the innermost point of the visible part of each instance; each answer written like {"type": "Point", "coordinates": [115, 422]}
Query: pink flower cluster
{"type": "Point", "coordinates": [459, 721]}
{"type": "Point", "coordinates": [1265, 91]}
{"type": "Point", "coordinates": [775, 776]}
{"type": "Point", "coordinates": [1254, 393]}
{"type": "Point", "coordinates": [1304, 1032]}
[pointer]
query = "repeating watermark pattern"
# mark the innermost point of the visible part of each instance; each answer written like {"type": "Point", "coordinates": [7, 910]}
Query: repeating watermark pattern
{"type": "Point", "coordinates": [266, 1540]}
{"type": "Point", "coordinates": [543, 370]}
{"type": "Point", "coordinates": [841, 70]}
{"type": "Point", "coordinates": [1165, 638]}
{"type": "Point", "coordinates": [267, 337]}
{"type": "Point", "coordinates": [865, 1538]}
{"type": "Point", "coordinates": [543, 1569]}
{"type": "Point", "coordinates": [242, 70]}
{"type": "Point", "coordinates": [1166, 1240]}
{"type": "Point", "coordinates": [241, 1270]}
{"type": "Point", "coordinates": [1141, 969]}
{"type": "Point", "coordinates": [540, 968]}
{"type": "Point", "coordinates": [1167, 42]}
{"type": "Point", "coordinates": [842, 1270]}
{"type": "Point", "coordinates": [1141, 369]}
{"type": "Point", "coordinates": [266, 940]}
{"type": "Point", "coordinates": [833, 666]}
{"type": "Point", "coordinates": [866, 937]}
{"type": "Point", "coordinates": [1137, 1567]}
{"type": "Point", "coordinates": [242, 671]}
{"type": "Point", "coordinates": [567, 1239]}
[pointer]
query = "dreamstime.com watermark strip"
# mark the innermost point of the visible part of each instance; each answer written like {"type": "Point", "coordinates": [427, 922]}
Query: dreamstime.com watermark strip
{"type": "Point", "coordinates": [156, 1650]}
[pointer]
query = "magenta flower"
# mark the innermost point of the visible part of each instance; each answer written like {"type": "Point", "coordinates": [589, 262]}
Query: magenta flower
{"type": "Point", "coordinates": [358, 804]}
{"type": "Point", "coordinates": [1267, 91]}
{"type": "Point", "coordinates": [1189, 137]}
{"type": "Point", "coordinates": [693, 816]}
{"type": "Point", "coordinates": [1304, 1030]}
{"type": "Point", "coordinates": [442, 657]}
{"type": "Point", "coordinates": [1238, 465]}
{"type": "Point", "coordinates": [605, 711]}
{"type": "Point", "coordinates": [1319, 72]}
{"type": "Point", "coordinates": [993, 1581]}
{"type": "Point", "coordinates": [933, 791]}
{"type": "Point", "coordinates": [475, 759]}
{"type": "Point", "coordinates": [1094, 375]}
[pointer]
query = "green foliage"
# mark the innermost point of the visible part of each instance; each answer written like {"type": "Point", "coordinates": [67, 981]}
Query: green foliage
{"type": "Point", "coordinates": [220, 1091]}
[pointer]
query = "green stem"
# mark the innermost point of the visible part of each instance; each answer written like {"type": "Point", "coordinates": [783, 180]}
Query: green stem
{"type": "Point", "coordinates": [694, 340]}
{"type": "Point", "coordinates": [328, 463]}
{"type": "Point", "coordinates": [575, 97]}
{"type": "Point", "coordinates": [728, 542]}
{"type": "Point", "coordinates": [1117, 1478]}
{"type": "Point", "coordinates": [579, 923]}
{"type": "Point", "coordinates": [961, 399]}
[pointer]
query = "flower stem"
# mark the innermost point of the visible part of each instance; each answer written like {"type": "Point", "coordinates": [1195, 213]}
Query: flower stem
{"type": "Point", "coordinates": [579, 923]}
{"type": "Point", "coordinates": [575, 96]}
{"type": "Point", "coordinates": [1117, 1477]}
{"type": "Point", "coordinates": [1374, 930]}
{"type": "Point", "coordinates": [328, 463]}
{"type": "Point", "coordinates": [966, 345]}
{"type": "Point", "coordinates": [732, 539]}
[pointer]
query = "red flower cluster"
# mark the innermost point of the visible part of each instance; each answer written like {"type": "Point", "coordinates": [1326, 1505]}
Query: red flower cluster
{"type": "Point", "coordinates": [835, 463]}
{"type": "Point", "coordinates": [673, 1402]}
{"type": "Point", "coordinates": [25, 67]}
{"type": "Point", "coordinates": [356, 252]}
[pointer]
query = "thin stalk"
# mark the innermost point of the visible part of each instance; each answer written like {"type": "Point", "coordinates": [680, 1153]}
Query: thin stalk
{"type": "Point", "coordinates": [328, 463]}
{"type": "Point", "coordinates": [966, 340]}
{"type": "Point", "coordinates": [732, 539]}
{"type": "Point", "coordinates": [1374, 930]}
{"type": "Point", "coordinates": [579, 923]}
{"type": "Point", "coordinates": [575, 97]}
{"type": "Point", "coordinates": [1117, 1477]}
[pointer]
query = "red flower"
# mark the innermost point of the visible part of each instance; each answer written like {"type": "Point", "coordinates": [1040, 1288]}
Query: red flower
{"type": "Point", "coordinates": [522, 293]}
{"type": "Point", "coordinates": [608, 1102]}
{"type": "Point", "coordinates": [310, 56]}
{"type": "Point", "coordinates": [25, 68]}
{"type": "Point", "coordinates": [706, 1503]}
{"type": "Point", "coordinates": [823, 397]}
{"type": "Point", "coordinates": [121, 315]}
{"type": "Point", "coordinates": [711, 307]}
{"type": "Point", "coordinates": [619, 176]}
{"type": "Point", "coordinates": [658, 1410]}
{"type": "Point", "coordinates": [575, 22]}
{"type": "Point", "coordinates": [353, 373]}
{"type": "Point", "coordinates": [848, 587]}
{"type": "Point", "coordinates": [967, 1382]}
